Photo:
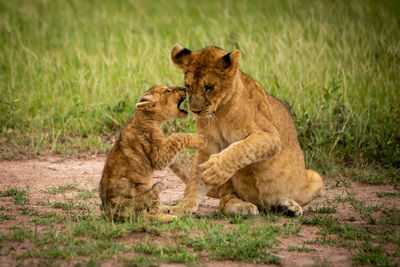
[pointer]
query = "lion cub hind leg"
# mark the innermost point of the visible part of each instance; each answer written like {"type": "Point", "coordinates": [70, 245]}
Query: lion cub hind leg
{"type": "Point", "coordinates": [230, 203]}
{"type": "Point", "coordinates": [290, 207]}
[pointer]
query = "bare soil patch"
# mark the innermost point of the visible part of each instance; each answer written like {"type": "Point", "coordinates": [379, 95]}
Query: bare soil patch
{"type": "Point", "coordinates": [41, 176]}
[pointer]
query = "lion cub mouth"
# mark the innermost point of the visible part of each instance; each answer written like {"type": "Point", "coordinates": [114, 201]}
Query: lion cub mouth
{"type": "Point", "coordinates": [184, 105]}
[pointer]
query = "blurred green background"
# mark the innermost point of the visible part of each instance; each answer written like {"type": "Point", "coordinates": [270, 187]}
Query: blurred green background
{"type": "Point", "coordinates": [71, 71]}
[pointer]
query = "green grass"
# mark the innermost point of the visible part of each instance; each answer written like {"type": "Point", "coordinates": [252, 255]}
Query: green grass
{"type": "Point", "coordinates": [71, 234]}
{"type": "Point", "coordinates": [168, 254]}
{"type": "Point", "coordinates": [374, 256]}
{"type": "Point", "coordinates": [71, 71]}
{"type": "Point", "coordinates": [190, 240]}
{"type": "Point", "coordinates": [242, 243]}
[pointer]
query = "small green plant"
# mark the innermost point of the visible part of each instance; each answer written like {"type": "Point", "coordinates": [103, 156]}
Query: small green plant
{"type": "Point", "coordinates": [19, 196]}
{"type": "Point", "coordinates": [391, 217]}
{"type": "Point", "coordinates": [38, 221]}
{"type": "Point", "coordinates": [43, 203]}
{"type": "Point", "coordinates": [323, 209]}
{"type": "Point", "coordinates": [302, 248]}
{"type": "Point", "coordinates": [5, 217]}
{"type": "Point", "coordinates": [345, 196]}
{"type": "Point", "coordinates": [214, 215]}
{"type": "Point", "coordinates": [29, 212]}
{"type": "Point", "coordinates": [61, 189]}
{"type": "Point", "coordinates": [388, 194]}
{"type": "Point", "coordinates": [21, 234]}
{"type": "Point", "coordinates": [366, 211]}
{"type": "Point", "coordinates": [236, 219]}
{"type": "Point", "coordinates": [86, 195]}
{"type": "Point", "coordinates": [70, 205]}
{"type": "Point", "coordinates": [291, 227]}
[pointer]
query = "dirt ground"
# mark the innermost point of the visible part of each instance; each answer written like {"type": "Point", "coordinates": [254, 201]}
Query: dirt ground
{"type": "Point", "coordinates": [41, 174]}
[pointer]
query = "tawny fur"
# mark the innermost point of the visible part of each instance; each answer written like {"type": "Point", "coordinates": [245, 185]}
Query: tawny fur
{"type": "Point", "coordinates": [253, 157]}
{"type": "Point", "coordinates": [125, 186]}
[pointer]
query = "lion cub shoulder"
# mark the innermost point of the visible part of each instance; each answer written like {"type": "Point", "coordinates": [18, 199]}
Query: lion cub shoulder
{"type": "Point", "coordinates": [125, 186]}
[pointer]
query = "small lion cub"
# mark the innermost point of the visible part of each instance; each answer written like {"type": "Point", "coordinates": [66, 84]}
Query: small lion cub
{"type": "Point", "coordinates": [125, 186]}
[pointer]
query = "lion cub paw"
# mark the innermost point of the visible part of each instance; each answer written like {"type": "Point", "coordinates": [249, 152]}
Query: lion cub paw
{"type": "Point", "coordinates": [213, 172]}
{"type": "Point", "coordinates": [180, 210]}
{"type": "Point", "coordinates": [291, 207]}
{"type": "Point", "coordinates": [165, 218]}
{"type": "Point", "coordinates": [198, 142]}
{"type": "Point", "coordinates": [241, 208]}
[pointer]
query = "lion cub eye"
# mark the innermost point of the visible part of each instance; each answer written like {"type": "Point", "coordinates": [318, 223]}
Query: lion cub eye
{"type": "Point", "coordinates": [168, 91]}
{"type": "Point", "coordinates": [208, 87]}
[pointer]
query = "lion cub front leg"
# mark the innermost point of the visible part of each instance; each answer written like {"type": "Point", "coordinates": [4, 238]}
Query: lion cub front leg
{"type": "Point", "coordinates": [168, 149]}
{"type": "Point", "coordinates": [221, 167]}
{"type": "Point", "coordinates": [195, 187]}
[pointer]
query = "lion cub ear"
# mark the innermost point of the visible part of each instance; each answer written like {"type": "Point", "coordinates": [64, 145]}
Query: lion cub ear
{"type": "Point", "coordinates": [180, 56]}
{"type": "Point", "coordinates": [145, 102]}
{"type": "Point", "coordinates": [231, 60]}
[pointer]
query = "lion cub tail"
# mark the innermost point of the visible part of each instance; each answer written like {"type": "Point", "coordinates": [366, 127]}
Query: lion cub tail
{"type": "Point", "coordinates": [313, 185]}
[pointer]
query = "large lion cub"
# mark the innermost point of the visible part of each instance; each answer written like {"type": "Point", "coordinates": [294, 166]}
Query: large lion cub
{"type": "Point", "coordinates": [253, 157]}
{"type": "Point", "coordinates": [125, 186]}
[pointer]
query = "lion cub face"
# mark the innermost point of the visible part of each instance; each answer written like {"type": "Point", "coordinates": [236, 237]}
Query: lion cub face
{"type": "Point", "coordinates": [209, 75]}
{"type": "Point", "coordinates": [164, 102]}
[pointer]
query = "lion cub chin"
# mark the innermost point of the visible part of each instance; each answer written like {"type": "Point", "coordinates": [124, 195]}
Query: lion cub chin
{"type": "Point", "coordinates": [125, 186]}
